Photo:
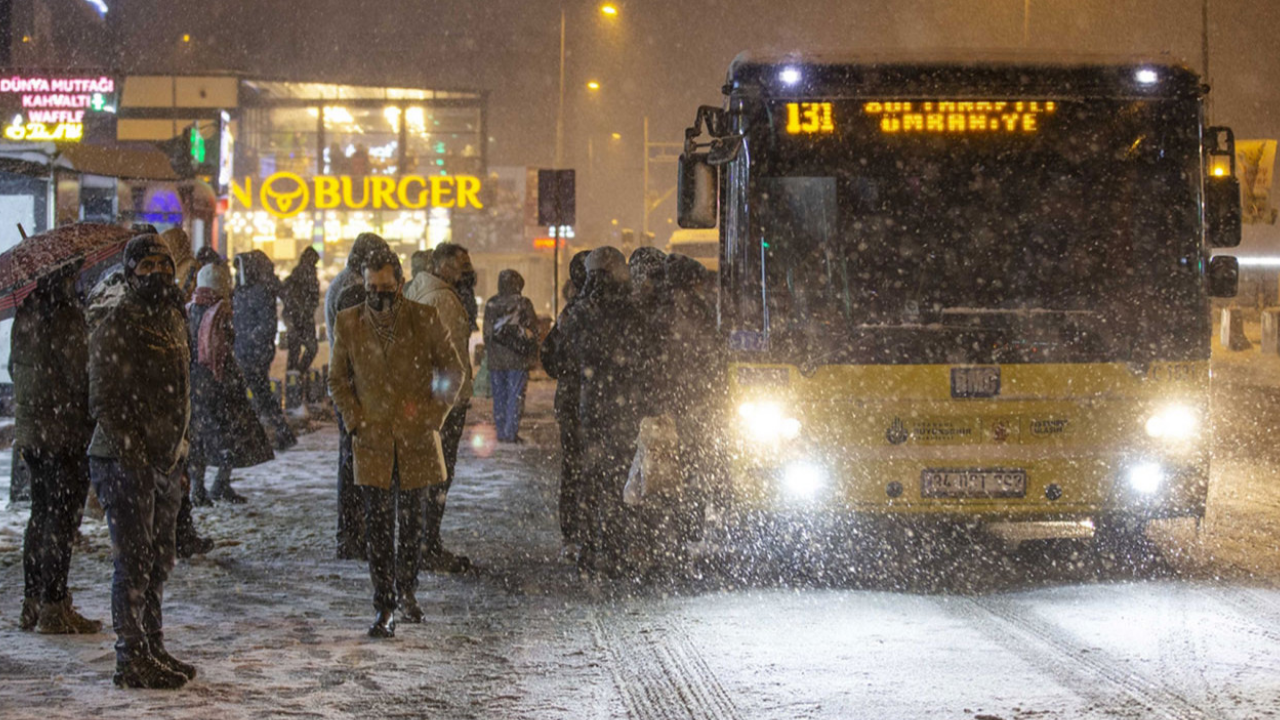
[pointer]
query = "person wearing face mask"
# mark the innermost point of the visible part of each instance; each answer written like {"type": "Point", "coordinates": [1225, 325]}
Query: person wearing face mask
{"type": "Point", "coordinates": [395, 375]}
{"type": "Point", "coordinates": [139, 395]}
{"type": "Point", "coordinates": [49, 365]}
{"type": "Point", "coordinates": [435, 286]}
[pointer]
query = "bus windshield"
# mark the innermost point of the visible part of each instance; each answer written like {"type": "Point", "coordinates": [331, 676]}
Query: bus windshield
{"type": "Point", "coordinates": [890, 226]}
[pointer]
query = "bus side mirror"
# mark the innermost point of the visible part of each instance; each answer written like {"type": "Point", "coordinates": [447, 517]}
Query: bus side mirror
{"type": "Point", "coordinates": [1224, 276]}
{"type": "Point", "coordinates": [697, 190]}
{"type": "Point", "coordinates": [1222, 211]}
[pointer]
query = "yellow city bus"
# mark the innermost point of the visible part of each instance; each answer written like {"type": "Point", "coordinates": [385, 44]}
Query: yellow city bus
{"type": "Point", "coordinates": [966, 290]}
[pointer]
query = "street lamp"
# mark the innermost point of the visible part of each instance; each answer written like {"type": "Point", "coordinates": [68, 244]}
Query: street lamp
{"type": "Point", "coordinates": [609, 9]}
{"type": "Point", "coordinates": [593, 85]}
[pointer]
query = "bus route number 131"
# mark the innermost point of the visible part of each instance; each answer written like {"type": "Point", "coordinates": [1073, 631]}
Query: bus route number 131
{"type": "Point", "coordinates": [810, 118]}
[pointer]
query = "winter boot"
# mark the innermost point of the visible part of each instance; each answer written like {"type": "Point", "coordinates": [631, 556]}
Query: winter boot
{"type": "Point", "coordinates": [410, 610]}
{"type": "Point", "coordinates": [62, 619]}
{"type": "Point", "coordinates": [439, 560]}
{"type": "Point", "coordinates": [30, 614]}
{"type": "Point", "coordinates": [144, 671]}
{"type": "Point", "coordinates": [384, 626]}
{"type": "Point", "coordinates": [199, 496]}
{"type": "Point", "coordinates": [222, 492]}
{"type": "Point", "coordinates": [169, 662]}
{"type": "Point", "coordinates": [190, 544]}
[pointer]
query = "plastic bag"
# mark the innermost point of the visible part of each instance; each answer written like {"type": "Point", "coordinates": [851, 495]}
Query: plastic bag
{"type": "Point", "coordinates": [655, 470]}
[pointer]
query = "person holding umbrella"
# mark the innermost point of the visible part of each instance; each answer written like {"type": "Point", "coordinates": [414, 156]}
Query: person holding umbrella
{"type": "Point", "coordinates": [49, 366]}
{"type": "Point", "coordinates": [139, 394]}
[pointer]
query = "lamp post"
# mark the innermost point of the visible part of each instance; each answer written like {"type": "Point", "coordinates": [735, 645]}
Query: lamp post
{"type": "Point", "coordinates": [609, 10]}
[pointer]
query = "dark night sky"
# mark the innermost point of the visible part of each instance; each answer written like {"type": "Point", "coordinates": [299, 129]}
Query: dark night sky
{"type": "Point", "coordinates": [662, 58]}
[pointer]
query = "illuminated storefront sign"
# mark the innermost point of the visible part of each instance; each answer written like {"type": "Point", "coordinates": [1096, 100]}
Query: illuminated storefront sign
{"type": "Point", "coordinates": [52, 109]}
{"type": "Point", "coordinates": [287, 194]}
{"type": "Point", "coordinates": [960, 117]}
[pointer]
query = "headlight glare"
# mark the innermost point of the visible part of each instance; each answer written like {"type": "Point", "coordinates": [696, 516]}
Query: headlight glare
{"type": "Point", "coordinates": [1146, 477]}
{"type": "Point", "coordinates": [767, 422]}
{"type": "Point", "coordinates": [1176, 422]}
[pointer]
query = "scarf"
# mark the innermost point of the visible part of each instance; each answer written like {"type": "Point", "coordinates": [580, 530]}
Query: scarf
{"type": "Point", "coordinates": [384, 322]}
{"type": "Point", "coordinates": [211, 339]}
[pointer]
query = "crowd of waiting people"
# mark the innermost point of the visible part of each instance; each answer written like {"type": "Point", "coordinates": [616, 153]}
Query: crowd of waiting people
{"type": "Point", "coordinates": [164, 371]}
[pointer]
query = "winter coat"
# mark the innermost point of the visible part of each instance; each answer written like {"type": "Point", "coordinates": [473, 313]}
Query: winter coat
{"type": "Point", "coordinates": [394, 400]}
{"type": "Point", "coordinates": [139, 384]}
{"type": "Point", "coordinates": [559, 364]}
{"type": "Point", "coordinates": [301, 294]}
{"type": "Point", "coordinates": [431, 290]}
{"type": "Point", "coordinates": [255, 312]}
{"type": "Point", "coordinates": [49, 364]}
{"type": "Point", "coordinates": [509, 306]}
{"type": "Point", "coordinates": [347, 277]}
{"type": "Point", "coordinates": [610, 347]}
{"type": "Point", "coordinates": [224, 426]}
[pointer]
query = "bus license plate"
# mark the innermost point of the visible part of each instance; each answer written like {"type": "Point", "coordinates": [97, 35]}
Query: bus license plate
{"type": "Point", "coordinates": [973, 483]}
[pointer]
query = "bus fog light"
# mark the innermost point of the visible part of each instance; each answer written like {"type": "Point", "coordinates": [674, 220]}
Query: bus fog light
{"type": "Point", "coordinates": [803, 480]}
{"type": "Point", "coordinates": [1176, 422]}
{"type": "Point", "coordinates": [766, 422]}
{"type": "Point", "coordinates": [1146, 478]}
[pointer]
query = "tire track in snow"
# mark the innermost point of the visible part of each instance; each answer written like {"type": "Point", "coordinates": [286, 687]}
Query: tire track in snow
{"type": "Point", "coordinates": [1084, 671]}
{"type": "Point", "coordinates": [659, 673]}
{"type": "Point", "coordinates": [1257, 613]}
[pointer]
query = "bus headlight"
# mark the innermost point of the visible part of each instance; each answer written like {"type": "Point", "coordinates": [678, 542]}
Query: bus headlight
{"type": "Point", "coordinates": [767, 422]}
{"type": "Point", "coordinates": [803, 480]}
{"type": "Point", "coordinates": [1146, 477]}
{"type": "Point", "coordinates": [1176, 422]}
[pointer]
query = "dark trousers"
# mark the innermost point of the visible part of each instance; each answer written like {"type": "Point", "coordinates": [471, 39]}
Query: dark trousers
{"type": "Point", "coordinates": [221, 481]}
{"type": "Point", "coordinates": [258, 377]}
{"type": "Point", "coordinates": [301, 346]}
{"type": "Point", "coordinates": [351, 536]}
{"type": "Point", "coordinates": [508, 401]}
{"type": "Point", "coordinates": [450, 436]}
{"type": "Point", "coordinates": [142, 510]}
{"type": "Point", "coordinates": [573, 508]}
{"type": "Point", "coordinates": [59, 487]}
{"type": "Point", "coordinates": [393, 561]}
{"type": "Point", "coordinates": [607, 455]}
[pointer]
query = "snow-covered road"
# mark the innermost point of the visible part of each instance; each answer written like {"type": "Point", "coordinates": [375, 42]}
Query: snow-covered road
{"type": "Point", "coordinates": [1048, 630]}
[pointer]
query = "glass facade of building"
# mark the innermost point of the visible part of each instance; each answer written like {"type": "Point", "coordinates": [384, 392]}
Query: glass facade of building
{"type": "Point", "coordinates": [394, 161]}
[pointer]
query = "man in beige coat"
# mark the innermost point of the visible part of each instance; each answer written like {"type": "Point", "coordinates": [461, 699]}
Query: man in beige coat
{"type": "Point", "coordinates": [394, 377]}
{"type": "Point", "coordinates": [434, 286]}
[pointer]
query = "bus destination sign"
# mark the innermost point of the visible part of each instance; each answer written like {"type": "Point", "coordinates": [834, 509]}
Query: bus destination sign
{"type": "Point", "coordinates": [960, 117]}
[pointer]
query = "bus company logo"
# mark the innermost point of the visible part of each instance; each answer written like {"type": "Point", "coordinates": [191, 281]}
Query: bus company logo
{"type": "Point", "coordinates": [897, 432]}
{"type": "Point", "coordinates": [285, 194]}
{"type": "Point", "coordinates": [1000, 432]}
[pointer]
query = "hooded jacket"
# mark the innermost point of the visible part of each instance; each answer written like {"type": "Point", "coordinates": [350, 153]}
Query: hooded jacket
{"type": "Point", "coordinates": [428, 289]}
{"type": "Point", "coordinates": [510, 307]}
{"type": "Point", "coordinates": [255, 310]}
{"type": "Point", "coordinates": [301, 294]}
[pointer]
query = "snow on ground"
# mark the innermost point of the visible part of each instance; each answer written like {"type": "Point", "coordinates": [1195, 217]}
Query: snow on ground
{"type": "Point", "coordinates": [1049, 630]}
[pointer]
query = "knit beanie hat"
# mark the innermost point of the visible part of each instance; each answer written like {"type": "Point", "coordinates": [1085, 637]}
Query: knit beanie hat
{"type": "Point", "coordinates": [216, 277]}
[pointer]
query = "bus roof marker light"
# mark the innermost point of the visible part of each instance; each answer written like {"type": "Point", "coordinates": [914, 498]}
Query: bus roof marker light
{"type": "Point", "coordinates": [789, 76]}
{"type": "Point", "coordinates": [1147, 76]}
